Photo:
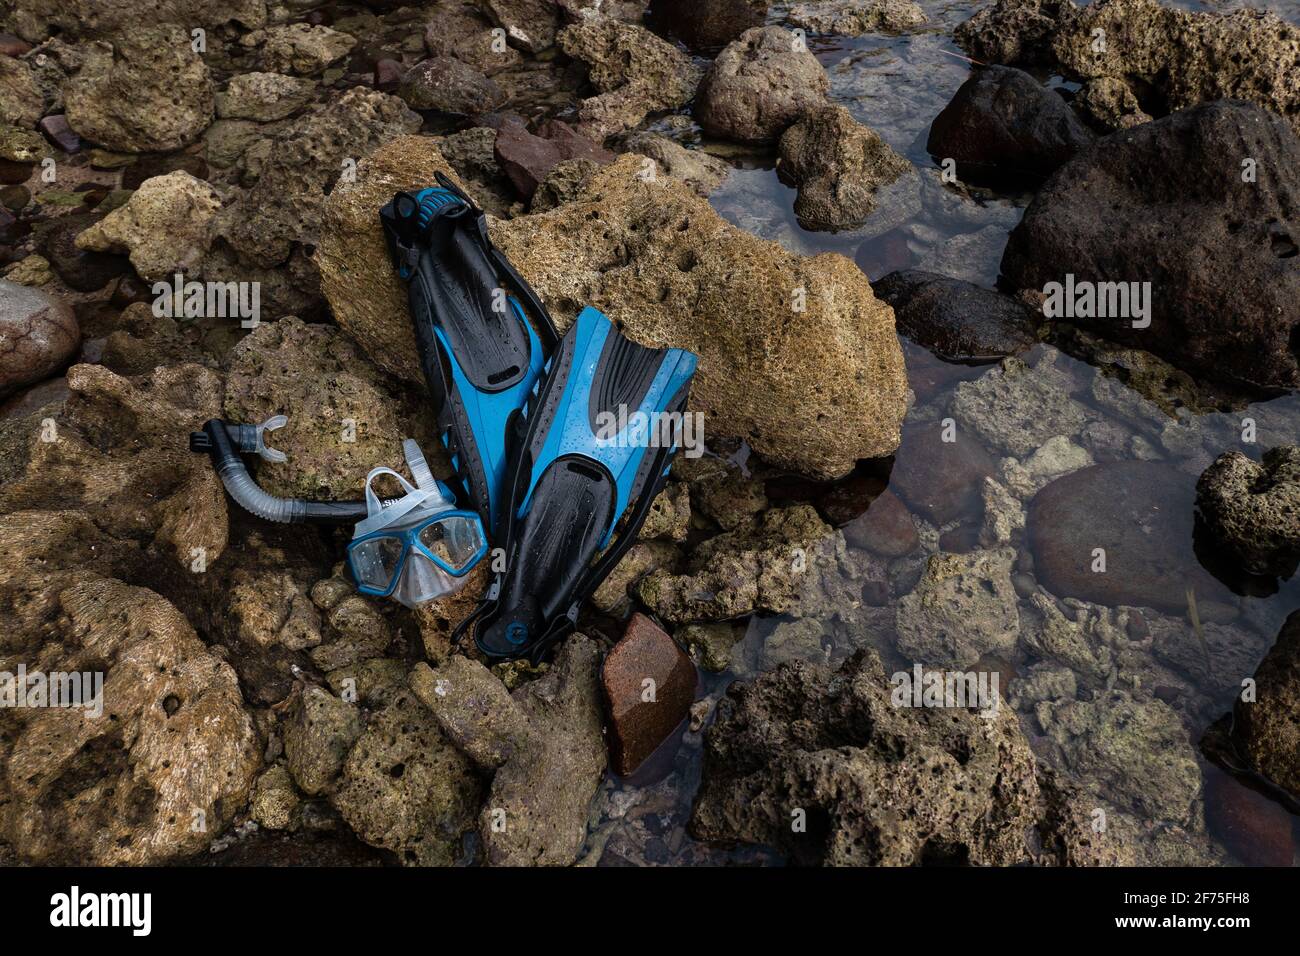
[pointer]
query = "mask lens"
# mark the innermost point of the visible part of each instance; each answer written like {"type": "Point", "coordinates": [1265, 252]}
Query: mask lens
{"type": "Point", "coordinates": [374, 562]}
{"type": "Point", "coordinates": [454, 541]}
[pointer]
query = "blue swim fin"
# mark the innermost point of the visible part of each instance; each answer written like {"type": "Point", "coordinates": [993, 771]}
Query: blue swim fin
{"type": "Point", "coordinates": [482, 332]}
{"type": "Point", "coordinates": [597, 437]}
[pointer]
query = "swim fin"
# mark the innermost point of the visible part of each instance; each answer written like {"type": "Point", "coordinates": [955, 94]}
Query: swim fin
{"type": "Point", "coordinates": [596, 440]}
{"type": "Point", "coordinates": [482, 332]}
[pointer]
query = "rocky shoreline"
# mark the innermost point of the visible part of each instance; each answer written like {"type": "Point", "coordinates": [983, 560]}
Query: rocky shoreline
{"type": "Point", "coordinates": [1006, 388]}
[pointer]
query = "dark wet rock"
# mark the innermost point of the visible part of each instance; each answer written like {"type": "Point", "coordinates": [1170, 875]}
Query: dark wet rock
{"type": "Point", "coordinates": [149, 167]}
{"type": "Point", "coordinates": [305, 160]}
{"type": "Point", "coordinates": [872, 783]}
{"type": "Point", "coordinates": [760, 85]}
{"type": "Point", "coordinates": [14, 173]}
{"type": "Point", "coordinates": [58, 132]}
{"type": "Point", "coordinates": [12, 46]}
{"type": "Point", "coordinates": [165, 227]}
{"type": "Point", "coordinates": [528, 158]}
{"type": "Point", "coordinates": [38, 334]}
{"type": "Point", "coordinates": [851, 18]}
{"type": "Point", "coordinates": [844, 365]}
{"type": "Point", "coordinates": [530, 25]}
{"type": "Point", "coordinates": [1255, 829]}
{"type": "Point", "coordinates": [1265, 730]}
{"type": "Point", "coordinates": [388, 74]}
{"type": "Point", "coordinates": [81, 270]}
{"type": "Point", "coordinates": [318, 734]}
{"type": "Point", "coordinates": [941, 479]}
{"type": "Point", "coordinates": [145, 91]}
{"type": "Point", "coordinates": [649, 686]}
{"type": "Point", "coordinates": [446, 84]}
{"type": "Point", "coordinates": [1141, 515]}
{"type": "Point", "coordinates": [1253, 509]}
{"type": "Point", "coordinates": [1003, 122]}
{"type": "Point", "coordinates": [172, 757]}
{"type": "Point", "coordinates": [634, 72]}
{"type": "Point", "coordinates": [707, 24]}
{"type": "Point", "coordinates": [886, 528]}
{"type": "Point", "coordinates": [461, 29]}
{"type": "Point", "coordinates": [300, 48]}
{"type": "Point", "coordinates": [962, 608]}
{"type": "Point", "coordinates": [957, 320]}
{"type": "Point", "coordinates": [696, 168]}
{"type": "Point", "coordinates": [1126, 200]}
{"type": "Point", "coordinates": [837, 165]}
{"type": "Point", "coordinates": [406, 788]}
{"type": "Point", "coordinates": [263, 97]}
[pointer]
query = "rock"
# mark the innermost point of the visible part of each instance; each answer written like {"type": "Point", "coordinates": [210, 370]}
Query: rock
{"type": "Point", "coordinates": [758, 86]}
{"type": "Point", "coordinates": [275, 803]}
{"type": "Point", "coordinates": [768, 564]}
{"type": "Point", "coordinates": [1253, 510]}
{"type": "Point", "coordinates": [1133, 752]}
{"type": "Point", "coordinates": [474, 710]}
{"type": "Point", "coordinates": [669, 517]}
{"type": "Point", "coordinates": [34, 20]}
{"type": "Point", "coordinates": [536, 811]}
{"type": "Point", "coordinates": [1109, 104]}
{"type": "Point", "coordinates": [564, 183]}
{"type": "Point", "coordinates": [38, 334]}
{"type": "Point", "coordinates": [345, 417]}
{"type": "Point", "coordinates": [530, 25]}
{"type": "Point", "coordinates": [299, 48]}
{"type": "Point", "coordinates": [839, 359]}
{"type": "Point", "coordinates": [446, 84]}
{"type": "Point", "coordinates": [58, 132]}
{"type": "Point", "coordinates": [146, 91]}
{"type": "Point", "coordinates": [528, 158]}
{"type": "Point", "coordinates": [33, 270]}
{"type": "Point", "coordinates": [696, 168]}
{"type": "Point", "coordinates": [707, 25]}
{"type": "Point", "coordinates": [1055, 457]}
{"type": "Point", "coordinates": [317, 737]}
{"type": "Point", "coordinates": [20, 100]}
{"type": "Point", "coordinates": [264, 97]}
{"type": "Point", "coordinates": [172, 747]}
{"type": "Point", "coordinates": [612, 597]}
{"type": "Point", "coordinates": [634, 72]}
{"type": "Point", "coordinates": [941, 479]}
{"type": "Point", "coordinates": [711, 644]}
{"type": "Point", "coordinates": [1016, 407]}
{"type": "Point", "coordinates": [963, 607]}
{"type": "Point", "coordinates": [165, 226]}
{"type": "Point", "coordinates": [721, 491]}
{"type": "Point", "coordinates": [1120, 201]}
{"type": "Point", "coordinates": [226, 141]}
{"type": "Point", "coordinates": [886, 528]}
{"type": "Point", "coordinates": [837, 164]}
{"type": "Point", "coordinates": [851, 18]}
{"type": "Point", "coordinates": [957, 320]}
{"type": "Point", "coordinates": [878, 784]}
{"type": "Point", "coordinates": [462, 30]}
{"type": "Point", "coordinates": [305, 162]}
{"type": "Point", "coordinates": [405, 788]}
{"type": "Point", "coordinates": [1002, 122]}
{"type": "Point", "coordinates": [149, 167]}
{"type": "Point", "coordinates": [649, 686]}
{"type": "Point", "coordinates": [22, 147]}
{"type": "Point", "coordinates": [1014, 31]}
{"type": "Point", "coordinates": [1264, 730]}
{"type": "Point", "coordinates": [81, 270]}
{"type": "Point", "coordinates": [1255, 829]}
{"type": "Point", "coordinates": [1140, 515]}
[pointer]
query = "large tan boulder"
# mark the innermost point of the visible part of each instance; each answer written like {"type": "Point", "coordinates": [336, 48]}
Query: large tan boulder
{"type": "Point", "coordinates": [796, 354]}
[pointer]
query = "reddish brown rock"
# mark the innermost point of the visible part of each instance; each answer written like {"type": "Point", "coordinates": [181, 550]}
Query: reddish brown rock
{"type": "Point", "coordinates": [527, 158]}
{"type": "Point", "coordinates": [941, 479]}
{"type": "Point", "coordinates": [1255, 829]}
{"type": "Point", "coordinates": [38, 333]}
{"type": "Point", "coordinates": [886, 528]}
{"type": "Point", "coordinates": [642, 714]}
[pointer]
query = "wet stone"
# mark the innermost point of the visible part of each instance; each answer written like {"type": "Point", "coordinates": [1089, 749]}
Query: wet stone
{"type": "Point", "coordinates": [643, 714]}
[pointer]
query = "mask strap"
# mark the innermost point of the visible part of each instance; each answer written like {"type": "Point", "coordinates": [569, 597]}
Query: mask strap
{"type": "Point", "coordinates": [377, 515]}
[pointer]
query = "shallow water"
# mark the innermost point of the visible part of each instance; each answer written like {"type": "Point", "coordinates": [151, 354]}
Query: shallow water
{"type": "Point", "coordinates": [897, 85]}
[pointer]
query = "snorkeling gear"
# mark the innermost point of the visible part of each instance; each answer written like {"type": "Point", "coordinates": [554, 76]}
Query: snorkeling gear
{"type": "Point", "coordinates": [578, 475]}
{"type": "Point", "coordinates": [413, 549]}
{"type": "Point", "coordinates": [480, 353]}
{"type": "Point", "coordinates": [418, 547]}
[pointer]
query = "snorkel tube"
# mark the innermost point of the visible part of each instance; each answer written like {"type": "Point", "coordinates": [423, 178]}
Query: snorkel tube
{"type": "Point", "coordinates": [225, 441]}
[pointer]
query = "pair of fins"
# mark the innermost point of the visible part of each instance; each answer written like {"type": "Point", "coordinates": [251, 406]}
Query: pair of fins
{"type": "Point", "coordinates": [537, 425]}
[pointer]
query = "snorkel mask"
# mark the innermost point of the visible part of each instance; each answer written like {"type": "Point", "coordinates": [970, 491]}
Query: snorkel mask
{"type": "Point", "coordinates": [417, 547]}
